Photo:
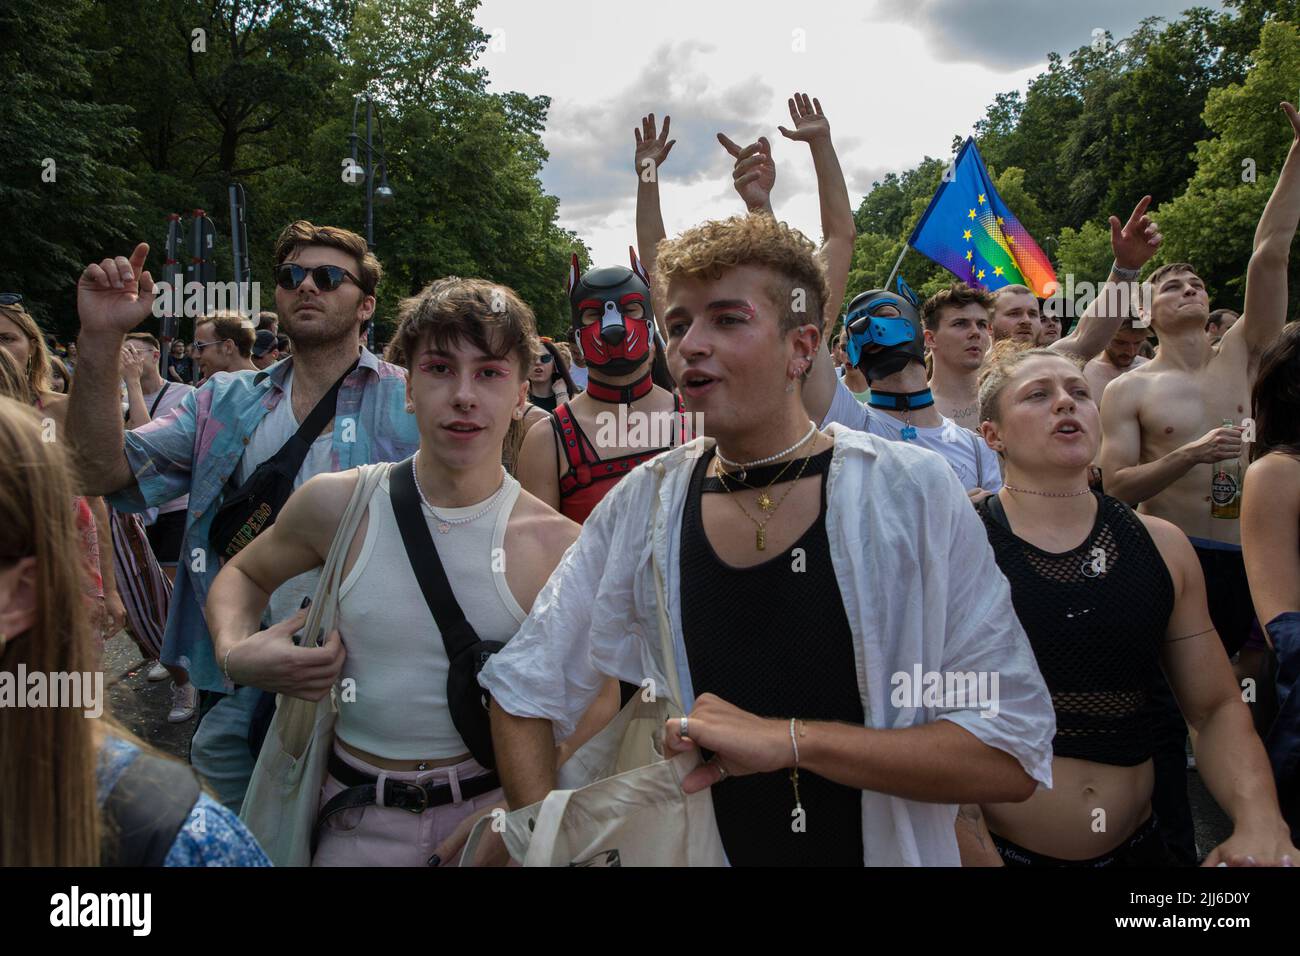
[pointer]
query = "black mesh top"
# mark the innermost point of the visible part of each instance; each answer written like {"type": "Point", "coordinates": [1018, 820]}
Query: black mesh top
{"type": "Point", "coordinates": [774, 640]}
{"type": "Point", "coordinates": [1096, 617]}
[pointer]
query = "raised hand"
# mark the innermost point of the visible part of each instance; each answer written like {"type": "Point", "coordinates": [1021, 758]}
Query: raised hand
{"type": "Point", "coordinates": [754, 173]}
{"type": "Point", "coordinates": [116, 295]}
{"type": "Point", "coordinates": [132, 364]}
{"type": "Point", "coordinates": [810, 123]}
{"type": "Point", "coordinates": [1137, 241]}
{"type": "Point", "coordinates": [651, 150]}
{"type": "Point", "coordinates": [1294, 117]}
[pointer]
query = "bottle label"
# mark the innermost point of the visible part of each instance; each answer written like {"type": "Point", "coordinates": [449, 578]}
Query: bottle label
{"type": "Point", "coordinates": [1223, 489]}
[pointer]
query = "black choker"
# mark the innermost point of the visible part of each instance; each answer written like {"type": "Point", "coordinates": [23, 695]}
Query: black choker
{"type": "Point", "coordinates": [764, 475]}
{"type": "Point", "coordinates": [620, 394]}
{"type": "Point", "coordinates": [901, 401]}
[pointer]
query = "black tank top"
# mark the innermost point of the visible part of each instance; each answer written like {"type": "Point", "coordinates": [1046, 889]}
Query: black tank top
{"type": "Point", "coordinates": [774, 641]}
{"type": "Point", "coordinates": [1096, 617]}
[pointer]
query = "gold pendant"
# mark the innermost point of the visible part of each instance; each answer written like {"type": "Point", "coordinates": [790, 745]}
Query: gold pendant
{"type": "Point", "coordinates": [765, 502]}
{"type": "Point", "coordinates": [761, 542]}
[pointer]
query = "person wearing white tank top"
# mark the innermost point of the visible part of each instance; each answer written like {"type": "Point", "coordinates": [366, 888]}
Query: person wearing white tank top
{"type": "Point", "coordinates": [467, 366]}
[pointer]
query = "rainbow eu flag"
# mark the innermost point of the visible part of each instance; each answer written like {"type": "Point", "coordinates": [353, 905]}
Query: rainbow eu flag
{"type": "Point", "coordinates": [969, 231]}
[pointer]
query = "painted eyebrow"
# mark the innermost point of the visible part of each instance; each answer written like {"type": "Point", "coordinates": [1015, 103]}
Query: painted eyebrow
{"type": "Point", "coordinates": [590, 304]}
{"type": "Point", "coordinates": [632, 297]}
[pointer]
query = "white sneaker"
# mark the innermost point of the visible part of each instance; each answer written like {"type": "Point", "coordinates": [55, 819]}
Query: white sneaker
{"type": "Point", "coordinates": [184, 701]}
{"type": "Point", "coordinates": [157, 672]}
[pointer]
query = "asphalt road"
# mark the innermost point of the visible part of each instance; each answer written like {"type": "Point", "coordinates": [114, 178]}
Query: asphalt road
{"type": "Point", "coordinates": [142, 707]}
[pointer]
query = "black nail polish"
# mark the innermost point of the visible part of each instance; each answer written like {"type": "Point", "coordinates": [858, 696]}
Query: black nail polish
{"type": "Point", "coordinates": [306, 602]}
{"type": "Point", "coordinates": [435, 860]}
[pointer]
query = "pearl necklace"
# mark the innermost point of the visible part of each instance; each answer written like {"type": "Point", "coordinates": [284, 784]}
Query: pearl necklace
{"type": "Point", "coordinates": [739, 467]}
{"type": "Point", "coordinates": [445, 524]}
{"type": "Point", "coordinates": [1047, 494]}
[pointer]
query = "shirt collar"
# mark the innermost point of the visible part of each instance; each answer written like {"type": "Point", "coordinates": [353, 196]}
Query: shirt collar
{"type": "Point", "coordinates": [280, 370]}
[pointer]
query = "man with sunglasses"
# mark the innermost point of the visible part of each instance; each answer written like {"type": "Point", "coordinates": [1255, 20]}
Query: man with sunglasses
{"type": "Point", "coordinates": [223, 342]}
{"type": "Point", "coordinates": [213, 442]}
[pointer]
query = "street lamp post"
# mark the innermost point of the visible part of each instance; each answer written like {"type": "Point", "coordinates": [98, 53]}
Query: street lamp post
{"type": "Point", "coordinates": [384, 192]}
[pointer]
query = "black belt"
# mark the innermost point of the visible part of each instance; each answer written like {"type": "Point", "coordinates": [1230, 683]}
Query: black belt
{"type": "Point", "coordinates": [398, 794]}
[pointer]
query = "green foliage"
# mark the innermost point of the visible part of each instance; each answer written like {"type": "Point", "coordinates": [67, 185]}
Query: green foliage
{"type": "Point", "coordinates": [1173, 110]}
{"type": "Point", "coordinates": [145, 118]}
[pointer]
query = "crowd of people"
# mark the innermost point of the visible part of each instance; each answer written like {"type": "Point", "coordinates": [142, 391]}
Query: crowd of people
{"type": "Point", "coordinates": [516, 544]}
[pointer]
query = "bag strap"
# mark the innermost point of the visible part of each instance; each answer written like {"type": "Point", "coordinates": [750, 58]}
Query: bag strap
{"type": "Point", "coordinates": [979, 460]}
{"type": "Point", "coordinates": [148, 806]}
{"type": "Point", "coordinates": [661, 604]}
{"type": "Point", "coordinates": [550, 817]}
{"type": "Point", "coordinates": [294, 452]}
{"type": "Point", "coordinates": [457, 633]}
{"type": "Point", "coordinates": [158, 398]}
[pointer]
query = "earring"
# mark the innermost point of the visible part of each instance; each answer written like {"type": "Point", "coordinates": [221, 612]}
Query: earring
{"type": "Point", "coordinates": [518, 413]}
{"type": "Point", "coordinates": [410, 409]}
{"type": "Point", "coordinates": [789, 386]}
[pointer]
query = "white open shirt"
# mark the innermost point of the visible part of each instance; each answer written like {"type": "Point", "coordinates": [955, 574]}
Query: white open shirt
{"type": "Point", "coordinates": [919, 583]}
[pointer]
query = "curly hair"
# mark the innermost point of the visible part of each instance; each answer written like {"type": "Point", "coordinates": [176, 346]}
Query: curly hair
{"type": "Point", "coordinates": [956, 296]}
{"type": "Point", "coordinates": [711, 248]}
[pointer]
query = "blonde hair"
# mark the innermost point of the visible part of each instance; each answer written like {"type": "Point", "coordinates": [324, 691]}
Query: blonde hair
{"type": "Point", "coordinates": [49, 813]}
{"type": "Point", "coordinates": [13, 383]}
{"type": "Point", "coordinates": [711, 248]}
{"type": "Point", "coordinates": [38, 355]}
{"type": "Point", "coordinates": [999, 368]}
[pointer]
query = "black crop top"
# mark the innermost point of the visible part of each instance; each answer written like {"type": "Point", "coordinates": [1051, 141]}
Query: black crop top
{"type": "Point", "coordinates": [1096, 617]}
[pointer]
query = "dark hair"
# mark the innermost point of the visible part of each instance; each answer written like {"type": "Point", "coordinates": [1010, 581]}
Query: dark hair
{"type": "Point", "coordinates": [282, 343]}
{"type": "Point", "coordinates": [303, 233]}
{"type": "Point", "coordinates": [1216, 317]}
{"type": "Point", "coordinates": [266, 319]}
{"type": "Point", "coordinates": [1275, 399]}
{"type": "Point", "coordinates": [490, 316]}
{"type": "Point", "coordinates": [233, 327]}
{"type": "Point", "coordinates": [560, 367]}
{"type": "Point", "coordinates": [956, 296]}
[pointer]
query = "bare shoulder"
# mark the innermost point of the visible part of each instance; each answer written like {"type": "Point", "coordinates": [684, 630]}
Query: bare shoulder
{"type": "Point", "coordinates": [317, 506]}
{"type": "Point", "coordinates": [1172, 544]}
{"type": "Point", "coordinates": [1277, 471]}
{"type": "Point", "coordinates": [540, 526]}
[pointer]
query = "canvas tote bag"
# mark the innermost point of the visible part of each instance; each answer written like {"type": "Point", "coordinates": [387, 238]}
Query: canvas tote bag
{"type": "Point", "coordinates": [284, 792]}
{"type": "Point", "coordinates": [619, 802]}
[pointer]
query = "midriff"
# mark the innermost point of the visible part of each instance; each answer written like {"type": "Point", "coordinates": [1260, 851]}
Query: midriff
{"type": "Point", "coordinates": [386, 763]}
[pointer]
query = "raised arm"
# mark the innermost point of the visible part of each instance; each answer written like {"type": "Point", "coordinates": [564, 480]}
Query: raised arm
{"type": "Point", "coordinates": [1264, 313]}
{"type": "Point", "coordinates": [1228, 751]}
{"type": "Point", "coordinates": [651, 151]}
{"type": "Point", "coordinates": [839, 231]}
{"type": "Point", "coordinates": [113, 297]}
{"type": "Point", "coordinates": [132, 369]}
{"type": "Point", "coordinates": [1133, 245]}
{"type": "Point", "coordinates": [1125, 476]}
{"type": "Point", "coordinates": [1270, 517]}
{"type": "Point", "coordinates": [298, 541]}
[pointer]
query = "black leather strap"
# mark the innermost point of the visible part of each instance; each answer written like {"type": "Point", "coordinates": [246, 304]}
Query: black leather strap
{"type": "Point", "coordinates": [158, 398]}
{"type": "Point", "coordinates": [458, 634]}
{"type": "Point", "coordinates": [294, 452]}
{"type": "Point", "coordinates": [398, 794]}
{"type": "Point", "coordinates": [150, 803]}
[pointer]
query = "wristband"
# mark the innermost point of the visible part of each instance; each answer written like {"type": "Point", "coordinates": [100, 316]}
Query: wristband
{"type": "Point", "coordinates": [1128, 275]}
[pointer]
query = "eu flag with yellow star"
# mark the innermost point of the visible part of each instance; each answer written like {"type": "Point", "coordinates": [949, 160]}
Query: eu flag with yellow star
{"type": "Point", "coordinates": [969, 231]}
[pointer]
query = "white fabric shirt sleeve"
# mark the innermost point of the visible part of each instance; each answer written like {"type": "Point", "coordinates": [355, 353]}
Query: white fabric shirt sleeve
{"type": "Point", "coordinates": [984, 636]}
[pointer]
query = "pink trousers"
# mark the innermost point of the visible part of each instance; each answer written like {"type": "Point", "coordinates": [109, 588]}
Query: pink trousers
{"type": "Point", "coordinates": [386, 836]}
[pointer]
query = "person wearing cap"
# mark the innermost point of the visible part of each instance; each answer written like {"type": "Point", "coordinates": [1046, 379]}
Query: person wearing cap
{"type": "Point", "coordinates": [266, 350]}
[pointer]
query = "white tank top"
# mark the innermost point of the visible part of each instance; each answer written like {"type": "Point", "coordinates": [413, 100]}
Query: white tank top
{"type": "Point", "coordinates": [395, 651]}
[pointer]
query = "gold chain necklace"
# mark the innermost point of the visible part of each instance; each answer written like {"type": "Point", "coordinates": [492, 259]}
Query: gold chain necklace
{"type": "Point", "coordinates": [760, 536]}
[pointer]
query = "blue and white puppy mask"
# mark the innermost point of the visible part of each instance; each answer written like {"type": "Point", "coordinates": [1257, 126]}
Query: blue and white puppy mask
{"type": "Point", "coordinates": [899, 336]}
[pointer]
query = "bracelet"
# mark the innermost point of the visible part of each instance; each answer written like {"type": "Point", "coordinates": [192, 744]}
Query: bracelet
{"type": "Point", "coordinates": [794, 771]}
{"type": "Point", "coordinates": [1128, 275]}
{"type": "Point", "coordinates": [225, 664]}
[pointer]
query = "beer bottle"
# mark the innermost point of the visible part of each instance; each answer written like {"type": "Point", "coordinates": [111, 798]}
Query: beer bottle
{"type": "Point", "coordinates": [1225, 487]}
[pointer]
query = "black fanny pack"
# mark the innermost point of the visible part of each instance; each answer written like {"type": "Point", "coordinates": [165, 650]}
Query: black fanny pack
{"type": "Point", "coordinates": [466, 654]}
{"type": "Point", "coordinates": [249, 510]}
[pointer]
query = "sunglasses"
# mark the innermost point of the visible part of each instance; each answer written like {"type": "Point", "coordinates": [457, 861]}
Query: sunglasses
{"type": "Point", "coordinates": [326, 278]}
{"type": "Point", "coordinates": [200, 346]}
{"type": "Point", "coordinates": [10, 298]}
{"type": "Point", "coordinates": [546, 358]}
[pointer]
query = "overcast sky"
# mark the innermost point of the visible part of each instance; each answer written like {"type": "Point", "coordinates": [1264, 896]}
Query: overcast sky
{"type": "Point", "coordinates": [896, 78]}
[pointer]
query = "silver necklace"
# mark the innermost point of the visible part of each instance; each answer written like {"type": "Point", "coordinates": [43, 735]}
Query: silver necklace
{"type": "Point", "coordinates": [1047, 494]}
{"type": "Point", "coordinates": [738, 468]}
{"type": "Point", "coordinates": [445, 524]}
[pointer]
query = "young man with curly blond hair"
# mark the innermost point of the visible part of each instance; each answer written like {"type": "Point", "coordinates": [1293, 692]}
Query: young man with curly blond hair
{"type": "Point", "coordinates": [803, 571]}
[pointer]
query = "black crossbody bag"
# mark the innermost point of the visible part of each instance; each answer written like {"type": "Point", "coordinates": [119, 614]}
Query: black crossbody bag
{"type": "Point", "coordinates": [466, 654]}
{"type": "Point", "coordinates": [251, 509]}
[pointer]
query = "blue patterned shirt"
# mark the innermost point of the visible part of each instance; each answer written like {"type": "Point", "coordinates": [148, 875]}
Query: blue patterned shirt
{"type": "Point", "coordinates": [196, 447]}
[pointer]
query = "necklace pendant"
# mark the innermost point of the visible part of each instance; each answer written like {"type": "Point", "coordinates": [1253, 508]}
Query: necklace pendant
{"type": "Point", "coordinates": [909, 433]}
{"type": "Point", "coordinates": [765, 503]}
{"type": "Point", "coordinates": [740, 475]}
{"type": "Point", "coordinates": [443, 527]}
{"type": "Point", "coordinates": [760, 540]}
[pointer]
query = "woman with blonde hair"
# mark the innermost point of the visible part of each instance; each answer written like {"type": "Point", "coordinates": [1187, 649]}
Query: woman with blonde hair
{"type": "Point", "coordinates": [1108, 598]}
{"type": "Point", "coordinates": [76, 789]}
